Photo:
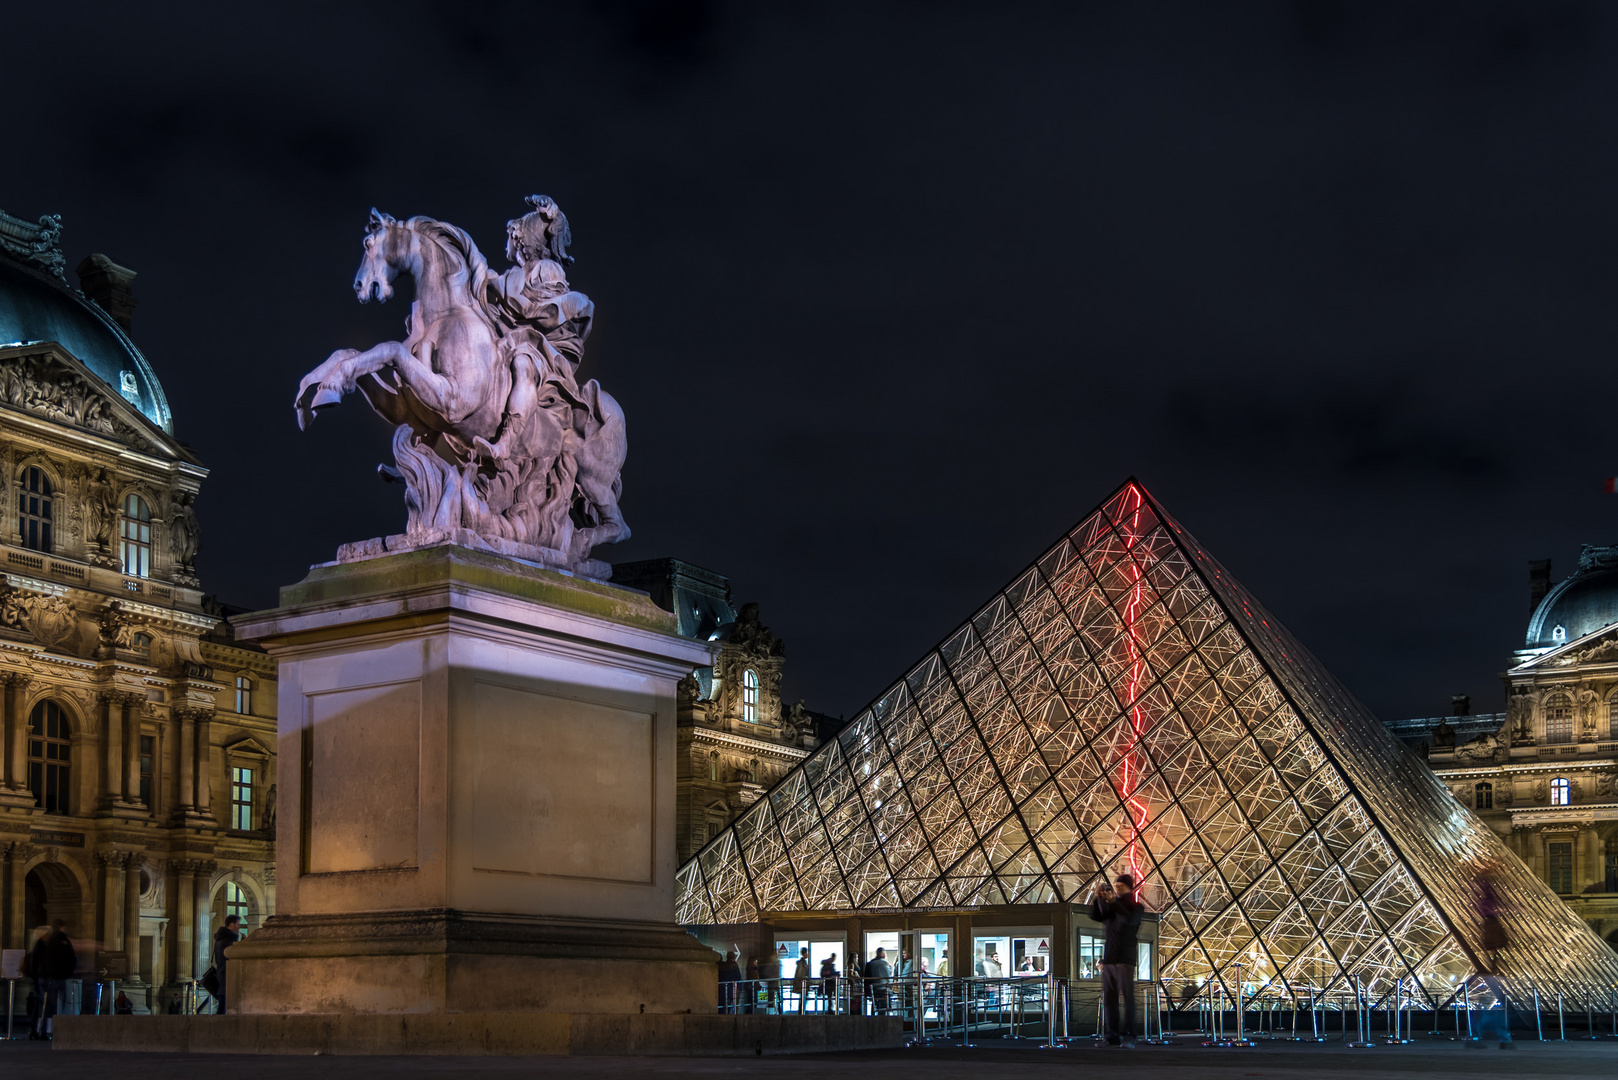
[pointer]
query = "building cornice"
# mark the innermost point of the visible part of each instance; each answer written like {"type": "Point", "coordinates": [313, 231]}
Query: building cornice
{"type": "Point", "coordinates": [792, 753]}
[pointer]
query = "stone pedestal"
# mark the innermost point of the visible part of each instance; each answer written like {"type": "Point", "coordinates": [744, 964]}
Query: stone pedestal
{"type": "Point", "coordinates": [476, 806]}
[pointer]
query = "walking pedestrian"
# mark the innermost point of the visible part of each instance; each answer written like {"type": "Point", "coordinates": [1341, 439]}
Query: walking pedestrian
{"type": "Point", "coordinates": [1119, 912]}
{"type": "Point", "coordinates": [51, 963]}
{"type": "Point", "coordinates": [878, 981]}
{"type": "Point", "coordinates": [828, 982]}
{"type": "Point", "coordinates": [228, 935]}
{"type": "Point", "coordinates": [800, 979]}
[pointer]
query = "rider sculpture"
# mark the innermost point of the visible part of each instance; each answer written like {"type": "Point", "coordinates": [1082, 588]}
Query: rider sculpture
{"type": "Point", "coordinates": [496, 441]}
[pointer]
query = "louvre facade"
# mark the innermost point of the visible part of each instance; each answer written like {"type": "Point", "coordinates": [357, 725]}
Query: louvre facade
{"type": "Point", "coordinates": [1125, 705]}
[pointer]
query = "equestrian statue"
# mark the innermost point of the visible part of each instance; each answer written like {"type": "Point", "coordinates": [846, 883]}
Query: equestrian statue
{"type": "Point", "coordinates": [498, 444]}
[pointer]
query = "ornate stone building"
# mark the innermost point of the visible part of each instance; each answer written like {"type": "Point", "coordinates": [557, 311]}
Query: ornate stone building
{"type": "Point", "coordinates": [1544, 774]}
{"type": "Point", "coordinates": [138, 783]}
{"type": "Point", "coordinates": [736, 737]}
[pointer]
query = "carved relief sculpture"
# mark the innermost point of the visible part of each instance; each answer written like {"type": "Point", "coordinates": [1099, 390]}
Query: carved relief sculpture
{"type": "Point", "coordinates": [498, 444]}
{"type": "Point", "coordinates": [184, 538]}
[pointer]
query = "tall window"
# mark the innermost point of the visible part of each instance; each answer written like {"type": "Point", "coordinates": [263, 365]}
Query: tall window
{"type": "Point", "coordinates": [235, 902]}
{"type": "Point", "coordinates": [241, 799]}
{"type": "Point", "coordinates": [34, 510]}
{"type": "Point", "coordinates": [1612, 718]}
{"type": "Point", "coordinates": [750, 696]}
{"type": "Point", "coordinates": [135, 537]}
{"type": "Point", "coordinates": [148, 763]}
{"type": "Point", "coordinates": [50, 745]}
{"type": "Point", "coordinates": [1483, 796]}
{"type": "Point", "coordinates": [1560, 790]}
{"type": "Point", "coordinates": [244, 695]}
{"type": "Point", "coordinates": [1559, 719]}
{"type": "Point", "coordinates": [1559, 867]}
{"type": "Point", "coordinates": [1612, 863]}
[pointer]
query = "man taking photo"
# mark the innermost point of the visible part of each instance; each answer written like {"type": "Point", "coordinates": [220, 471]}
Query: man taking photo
{"type": "Point", "coordinates": [1118, 911]}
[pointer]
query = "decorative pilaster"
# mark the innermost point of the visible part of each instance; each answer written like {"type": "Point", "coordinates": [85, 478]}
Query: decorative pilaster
{"type": "Point", "coordinates": [205, 763]}
{"type": "Point", "coordinates": [188, 760]}
{"type": "Point", "coordinates": [131, 937]}
{"type": "Point", "coordinates": [131, 706]}
{"type": "Point", "coordinates": [112, 748]}
{"type": "Point", "coordinates": [15, 910]}
{"type": "Point", "coordinates": [182, 919]}
{"type": "Point", "coordinates": [201, 931]}
{"type": "Point", "coordinates": [112, 865]}
{"type": "Point", "coordinates": [14, 790]}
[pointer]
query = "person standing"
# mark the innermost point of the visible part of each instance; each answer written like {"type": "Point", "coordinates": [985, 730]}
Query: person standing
{"type": "Point", "coordinates": [769, 971]}
{"type": "Point", "coordinates": [52, 963]}
{"type": "Point", "coordinates": [828, 981]}
{"type": "Point", "coordinates": [1119, 912]}
{"type": "Point", "coordinates": [750, 987]}
{"type": "Point", "coordinates": [878, 981]}
{"type": "Point", "coordinates": [730, 974]}
{"type": "Point", "coordinates": [800, 979]}
{"type": "Point", "coordinates": [228, 935]}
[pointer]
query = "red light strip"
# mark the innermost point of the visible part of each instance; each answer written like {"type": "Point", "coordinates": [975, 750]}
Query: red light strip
{"type": "Point", "coordinates": [1137, 674]}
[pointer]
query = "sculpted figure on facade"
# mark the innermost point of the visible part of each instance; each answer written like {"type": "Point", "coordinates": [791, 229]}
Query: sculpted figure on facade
{"type": "Point", "coordinates": [184, 537]}
{"type": "Point", "coordinates": [498, 444]}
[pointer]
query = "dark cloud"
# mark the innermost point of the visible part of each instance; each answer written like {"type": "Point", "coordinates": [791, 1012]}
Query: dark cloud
{"type": "Point", "coordinates": [893, 294]}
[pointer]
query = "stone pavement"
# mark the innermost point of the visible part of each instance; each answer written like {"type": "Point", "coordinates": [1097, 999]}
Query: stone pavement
{"type": "Point", "coordinates": [1421, 1061]}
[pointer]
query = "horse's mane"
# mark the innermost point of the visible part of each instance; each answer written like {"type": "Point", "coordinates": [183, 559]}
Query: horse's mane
{"type": "Point", "coordinates": [461, 242]}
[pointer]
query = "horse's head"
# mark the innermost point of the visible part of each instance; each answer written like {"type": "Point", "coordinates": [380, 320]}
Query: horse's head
{"type": "Point", "coordinates": [386, 245]}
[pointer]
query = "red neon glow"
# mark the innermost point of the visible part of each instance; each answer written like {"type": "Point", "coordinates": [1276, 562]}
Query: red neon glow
{"type": "Point", "coordinates": [1132, 686]}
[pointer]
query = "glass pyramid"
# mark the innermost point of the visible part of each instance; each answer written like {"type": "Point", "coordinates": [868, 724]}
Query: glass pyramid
{"type": "Point", "coordinates": [1124, 704]}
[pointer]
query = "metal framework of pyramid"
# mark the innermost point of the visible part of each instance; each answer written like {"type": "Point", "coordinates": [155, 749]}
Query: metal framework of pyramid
{"type": "Point", "coordinates": [1126, 704]}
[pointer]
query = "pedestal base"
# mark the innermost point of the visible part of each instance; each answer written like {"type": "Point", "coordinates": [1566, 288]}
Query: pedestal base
{"type": "Point", "coordinates": [458, 962]}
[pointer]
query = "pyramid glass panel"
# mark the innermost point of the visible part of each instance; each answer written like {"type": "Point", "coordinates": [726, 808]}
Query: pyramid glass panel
{"type": "Point", "coordinates": [1125, 704]}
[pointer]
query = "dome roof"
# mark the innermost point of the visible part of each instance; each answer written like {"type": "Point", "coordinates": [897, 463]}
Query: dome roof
{"type": "Point", "coordinates": [37, 307]}
{"type": "Point", "coordinates": [1586, 601]}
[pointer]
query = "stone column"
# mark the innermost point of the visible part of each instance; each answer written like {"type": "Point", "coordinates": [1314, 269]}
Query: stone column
{"type": "Point", "coordinates": [16, 908]}
{"type": "Point", "coordinates": [112, 749]}
{"type": "Point", "coordinates": [188, 760]}
{"type": "Point", "coordinates": [131, 943]}
{"type": "Point", "coordinates": [132, 705]}
{"type": "Point", "coordinates": [182, 917]}
{"type": "Point", "coordinates": [112, 894]}
{"type": "Point", "coordinates": [204, 763]}
{"type": "Point", "coordinates": [202, 931]}
{"type": "Point", "coordinates": [16, 685]}
{"type": "Point", "coordinates": [8, 885]}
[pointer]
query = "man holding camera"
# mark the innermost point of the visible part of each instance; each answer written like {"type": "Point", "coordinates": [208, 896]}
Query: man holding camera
{"type": "Point", "coordinates": [1119, 912]}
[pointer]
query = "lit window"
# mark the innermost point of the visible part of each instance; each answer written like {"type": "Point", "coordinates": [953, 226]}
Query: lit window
{"type": "Point", "coordinates": [241, 799]}
{"type": "Point", "coordinates": [50, 744]}
{"type": "Point", "coordinates": [1483, 796]}
{"type": "Point", "coordinates": [1559, 719]}
{"type": "Point", "coordinates": [143, 644]}
{"type": "Point", "coordinates": [148, 762]}
{"type": "Point", "coordinates": [244, 695]}
{"type": "Point", "coordinates": [750, 696]}
{"type": "Point", "coordinates": [235, 902]}
{"type": "Point", "coordinates": [1560, 791]}
{"type": "Point", "coordinates": [135, 537]}
{"type": "Point", "coordinates": [34, 510]}
{"type": "Point", "coordinates": [1559, 867]}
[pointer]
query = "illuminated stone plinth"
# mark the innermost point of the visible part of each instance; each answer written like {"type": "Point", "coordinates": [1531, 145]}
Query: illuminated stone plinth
{"type": "Point", "coordinates": [477, 795]}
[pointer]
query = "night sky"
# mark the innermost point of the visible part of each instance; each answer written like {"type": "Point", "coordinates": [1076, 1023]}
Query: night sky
{"type": "Point", "coordinates": [894, 295]}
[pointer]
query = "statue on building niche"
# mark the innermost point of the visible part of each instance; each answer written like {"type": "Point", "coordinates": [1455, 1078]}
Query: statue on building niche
{"type": "Point", "coordinates": [498, 444]}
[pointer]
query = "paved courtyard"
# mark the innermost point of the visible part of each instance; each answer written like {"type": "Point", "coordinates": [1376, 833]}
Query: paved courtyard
{"type": "Point", "coordinates": [27, 1061]}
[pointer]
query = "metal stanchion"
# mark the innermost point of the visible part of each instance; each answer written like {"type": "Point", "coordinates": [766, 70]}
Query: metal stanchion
{"type": "Point", "coordinates": [1561, 1021]}
{"type": "Point", "coordinates": [1466, 995]}
{"type": "Point", "coordinates": [1398, 1034]}
{"type": "Point", "coordinates": [1539, 1020]}
{"type": "Point", "coordinates": [1362, 1027]}
{"type": "Point", "coordinates": [11, 1005]}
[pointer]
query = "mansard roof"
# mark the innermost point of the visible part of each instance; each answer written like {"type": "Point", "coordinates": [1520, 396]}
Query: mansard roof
{"type": "Point", "coordinates": [1125, 704]}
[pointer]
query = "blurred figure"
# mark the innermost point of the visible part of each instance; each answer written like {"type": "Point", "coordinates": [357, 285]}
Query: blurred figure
{"type": "Point", "coordinates": [800, 979]}
{"type": "Point", "coordinates": [828, 982]}
{"type": "Point", "coordinates": [51, 963]}
{"type": "Point", "coordinates": [769, 969]}
{"type": "Point", "coordinates": [1490, 910]}
{"type": "Point", "coordinates": [730, 973]}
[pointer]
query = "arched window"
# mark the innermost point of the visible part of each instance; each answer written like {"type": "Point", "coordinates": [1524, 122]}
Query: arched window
{"type": "Point", "coordinates": [750, 696]}
{"type": "Point", "coordinates": [1560, 791]}
{"type": "Point", "coordinates": [34, 518]}
{"type": "Point", "coordinates": [244, 695]}
{"type": "Point", "coordinates": [1483, 796]}
{"type": "Point", "coordinates": [1559, 719]}
{"type": "Point", "coordinates": [235, 902]}
{"type": "Point", "coordinates": [50, 746]}
{"type": "Point", "coordinates": [135, 537]}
